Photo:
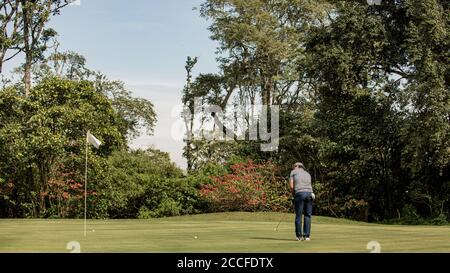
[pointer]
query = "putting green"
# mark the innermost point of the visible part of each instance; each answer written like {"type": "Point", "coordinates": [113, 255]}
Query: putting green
{"type": "Point", "coordinates": [218, 232]}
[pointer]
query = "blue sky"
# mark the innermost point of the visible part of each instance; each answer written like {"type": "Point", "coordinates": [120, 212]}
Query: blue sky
{"type": "Point", "coordinates": [139, 41]}
{"type": "Point", "coordinates": [145, 44]}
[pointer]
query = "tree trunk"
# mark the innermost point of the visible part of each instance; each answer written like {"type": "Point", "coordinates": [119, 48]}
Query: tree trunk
{"type": "Point", "coordinates": [189, 155]}
{"type": "Point", "coordinates": [44, 174]}
{"type": "Point", "coordinates": [267, 91]}
{"type": "Point", "coordinates": [27, 74]}
{"type": "Point", "coordinates": [27, 48]}
{"type": "Point", "coordinates": [35, 187]}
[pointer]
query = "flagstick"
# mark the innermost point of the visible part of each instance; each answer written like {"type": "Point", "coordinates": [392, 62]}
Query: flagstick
{"type": "Point", "coordinates": [85, 186]}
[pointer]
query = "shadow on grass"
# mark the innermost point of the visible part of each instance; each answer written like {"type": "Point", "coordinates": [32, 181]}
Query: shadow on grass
{"type": "Point", "coordinates": [273, 239]}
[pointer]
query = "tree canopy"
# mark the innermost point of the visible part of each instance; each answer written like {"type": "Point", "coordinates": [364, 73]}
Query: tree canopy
{"type": "Point", "coordinates": [363, 90]}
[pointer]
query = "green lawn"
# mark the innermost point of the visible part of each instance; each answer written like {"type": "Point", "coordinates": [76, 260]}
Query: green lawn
{"type": "Point", "coordinates": [221, 232]}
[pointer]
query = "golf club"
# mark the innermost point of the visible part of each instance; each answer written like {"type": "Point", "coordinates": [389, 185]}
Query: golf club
{"type": "Point", "coordinates": [282, 216]}
{"type": "Point", "coordinates": [279, 222]}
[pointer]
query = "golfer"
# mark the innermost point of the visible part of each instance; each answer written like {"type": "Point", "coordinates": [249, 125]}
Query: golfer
{"type": "Point", "coordinates": [300, 183]}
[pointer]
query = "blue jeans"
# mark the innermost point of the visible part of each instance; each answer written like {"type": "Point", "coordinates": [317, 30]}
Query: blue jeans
{"type": "Point", "coordinates": [303, 203]}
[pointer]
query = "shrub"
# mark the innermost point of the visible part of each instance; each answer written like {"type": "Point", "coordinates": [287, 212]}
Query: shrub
{"type": "Point", "coordinates": [144, 213]}
{"type": "Point", "coordinates": [168, 207]}
{"type": "Point", "coordinates": [247, 186]}
{"type": "Point", "coordinates": [409, 215]}
{"type": "Point", "coordinates": [146, 184]}
{"type": "Point", "coordinates": [442, 219]}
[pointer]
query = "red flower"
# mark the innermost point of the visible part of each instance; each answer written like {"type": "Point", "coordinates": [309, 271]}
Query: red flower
{"type": "Point", "coordinates": [65, 195]}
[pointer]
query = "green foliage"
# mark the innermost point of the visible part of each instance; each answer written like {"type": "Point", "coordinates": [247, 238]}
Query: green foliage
{"type": "Point", "coordinates": [365, 96]}
{"type": "Point", "coordinates": [167, 207]}
{"type": "Point", "coordinates": [42, 140]}
{"type": "Point", "coordinates": [147, 184]}
{"type": "Point", "coordinates": [384, 111]}
{"type": "Point", "coordinates": [409, 215]}
{"type": "Point", "coordinates": [23, 28]}
{"type": "Point", "coordinates": [135, 113]}
{"type": "Point", "coordinates": [365, 105]}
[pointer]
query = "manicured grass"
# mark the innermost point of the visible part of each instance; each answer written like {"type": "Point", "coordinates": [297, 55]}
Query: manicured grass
{"type": "Point", "coordinates": [220, 232]}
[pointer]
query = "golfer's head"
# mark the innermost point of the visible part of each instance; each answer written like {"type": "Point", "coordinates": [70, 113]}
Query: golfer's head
{"type": "Point", "coordinates": [298, 165]}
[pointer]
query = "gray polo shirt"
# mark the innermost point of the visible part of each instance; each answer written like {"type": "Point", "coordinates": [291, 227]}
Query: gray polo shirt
{"type": "Point", "coordinates": [302, 180]}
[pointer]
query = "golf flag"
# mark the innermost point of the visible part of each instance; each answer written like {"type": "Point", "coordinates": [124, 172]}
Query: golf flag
{"type": "Point", "coordinates": [96, 143]}
{"type": "Point", "coordinates": [93, 140]}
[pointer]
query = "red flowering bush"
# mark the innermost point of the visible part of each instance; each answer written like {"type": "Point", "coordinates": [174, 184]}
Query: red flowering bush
{"type": "Point", "coordinates": [64, 192]}
{"type": "Point", "coordinates": [247, 187]}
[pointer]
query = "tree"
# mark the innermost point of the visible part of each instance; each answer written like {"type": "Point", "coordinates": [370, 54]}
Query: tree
{"type": "Point", "coordinates": [260, 47]}
{"type": "Point", "coordinates": [426, 154]}
{"type": "Point", "coordinates": [383, 102]}
{"type": "Point", "coordinates": [136, 113]}
{"type": "Point", "coordinates": [263, 42]}
{"type": "Point", "coordinates": [27, 19]}
{"type": "Point", "coordinates": [188, 101]}
{"type": "Point", "coordinates": [43, 137]}
{"type": "Point", "coordinates": [9, 30]}
{"type": "Point", "coordinates": [364, 94]}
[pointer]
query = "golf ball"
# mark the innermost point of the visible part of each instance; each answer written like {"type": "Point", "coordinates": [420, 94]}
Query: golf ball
{"type": "Point", "coordinates": [195, 237]}
{"type": "Point", "coordinates": [93, 230]}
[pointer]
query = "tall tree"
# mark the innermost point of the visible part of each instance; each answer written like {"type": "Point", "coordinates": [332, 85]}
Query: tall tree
{"type": "Point", "coordinates": [188, 101]}
{"type": "Point", "coordinates": [42, 138]}
{"type": "Point", "coordinates": [26, 21]}
{"type": "Point", "coordinates": [136, 113]}
{"type": "Point", "coordinates": [383, 103]}
{"type": "Point", "coordinates": [370, 87]}
{"type": "Point", "coordinates": [35, 14]}
{"type": "Point", "coordinates": [427, 92]}
{"type": "Point", "coordinates": [10, 25]}
{"type": "Point", "coordinates": [261, 49]}
{"type": "Point", "coordinates": [261, 43]}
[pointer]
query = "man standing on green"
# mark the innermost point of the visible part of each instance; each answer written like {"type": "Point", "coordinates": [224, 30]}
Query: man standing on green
{"type": "Point", "coordinates": [300, 183]}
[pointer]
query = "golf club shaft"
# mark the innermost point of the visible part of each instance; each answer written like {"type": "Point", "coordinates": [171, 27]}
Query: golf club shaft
{"type": "Point", "coordinates": [279, 222]}
{"type": "Point", "coordinates": [282, 215]}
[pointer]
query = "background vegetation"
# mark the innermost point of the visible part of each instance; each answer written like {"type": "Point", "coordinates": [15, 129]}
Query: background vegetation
{"type": "Point", "coordinates": [364, 97]}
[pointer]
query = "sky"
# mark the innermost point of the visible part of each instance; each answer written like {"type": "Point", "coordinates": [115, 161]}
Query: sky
{"type": "Point", "coordinates": [145, 44]}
